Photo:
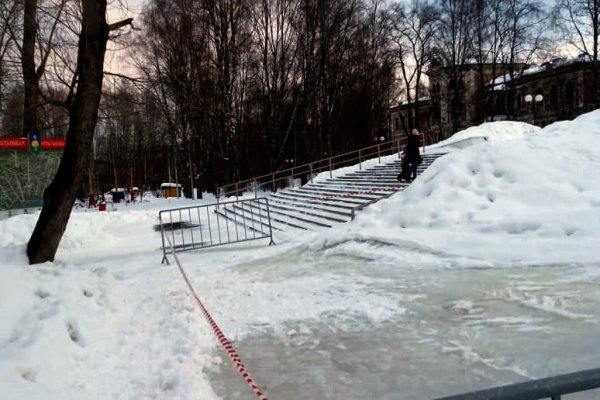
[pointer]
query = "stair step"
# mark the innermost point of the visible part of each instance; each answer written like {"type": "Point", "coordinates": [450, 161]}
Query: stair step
{"type": "Point", "coordinates": [330, 201]}
{"type": "Point", "coordinates": [317, 207]}
{"type": "Point", "coordinates": [347, 204]}
{"type": "Point", "coordinates": [365, 185]}
{"type": "Point", "coordinates": [237, 210]}
{"type": "Point", "coordinates": [291, 211]}
{"type": "Point", "coordinates": [313, 220]}
{"type": "Point", "coordinates": [344, 187]}
{"type": "Point", "coordinates": [289, 219]}
{"type": "Point", "coordinates": [231, 215]}
{"type": "Point", "coordinates": [326, 191]}
{"type": "Point", "coordinates": [340, 194]}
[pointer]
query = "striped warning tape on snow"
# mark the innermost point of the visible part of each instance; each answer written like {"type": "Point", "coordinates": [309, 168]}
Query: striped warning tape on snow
{"type": "Point", "coordinates": [223, 341]}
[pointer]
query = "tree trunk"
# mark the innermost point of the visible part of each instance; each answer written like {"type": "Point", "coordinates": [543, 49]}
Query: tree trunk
{"type": "Point", "coordinates": [83, 113]}
{"type": "Point", "coordinates": [30, 114]}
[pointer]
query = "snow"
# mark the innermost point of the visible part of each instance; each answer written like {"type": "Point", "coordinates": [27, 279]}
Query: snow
{"type": "Point", "coordinates": [499, 83]}
{"type": "Point", "coordinates": [169, 185]}
{"type": "Point", "coordinates": [483, 272]}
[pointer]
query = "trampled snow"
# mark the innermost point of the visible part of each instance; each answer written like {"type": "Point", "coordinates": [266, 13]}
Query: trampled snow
{"type": "Point", "coordinates": [485, 271]}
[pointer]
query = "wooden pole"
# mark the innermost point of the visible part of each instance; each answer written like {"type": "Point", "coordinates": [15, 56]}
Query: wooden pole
{"type": "Point", "coordinates": [90, 181]}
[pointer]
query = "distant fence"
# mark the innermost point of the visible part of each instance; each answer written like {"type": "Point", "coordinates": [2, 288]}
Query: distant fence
{"type": "Point", "coordinates": [23, 176]}
{"type": "Point", "coordinates": [547, 388]}
{"type": "Point", "coordinates": [4, 214]}
{"type": "Point", "coordinates": [211, 225]}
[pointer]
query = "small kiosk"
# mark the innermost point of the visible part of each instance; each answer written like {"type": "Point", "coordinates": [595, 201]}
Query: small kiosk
{"type": "Point", "coordinates": [117, 194]}
{"type": "Point", "coordinates": [170, 189]}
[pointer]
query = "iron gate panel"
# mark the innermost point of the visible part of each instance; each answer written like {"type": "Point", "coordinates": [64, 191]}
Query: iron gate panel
{"type": "Point", "coordinates": [211, 225]}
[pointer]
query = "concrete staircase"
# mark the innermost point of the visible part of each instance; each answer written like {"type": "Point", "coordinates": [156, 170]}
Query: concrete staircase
{"type": "Point", "coordinates": [332, 201]}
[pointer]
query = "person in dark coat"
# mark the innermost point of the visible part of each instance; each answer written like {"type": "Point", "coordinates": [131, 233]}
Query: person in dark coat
{"type": "Point", "coordinates": [413, 155]}
{"type": "Point", "coordinates": [404, 170]}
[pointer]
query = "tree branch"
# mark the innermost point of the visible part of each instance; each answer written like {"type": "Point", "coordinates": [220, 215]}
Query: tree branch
{"type": "Point", "coordinates": [120, 24]}
{"type": "Point", "coordinates": [126, 77]}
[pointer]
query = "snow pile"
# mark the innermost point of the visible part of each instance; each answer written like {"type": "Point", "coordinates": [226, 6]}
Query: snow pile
{"type": "Point", "coordinates": [519, 197]}
{"type": "Point", "coordinates": [490, 131]}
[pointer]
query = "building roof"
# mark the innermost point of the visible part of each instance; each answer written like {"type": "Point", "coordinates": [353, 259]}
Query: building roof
{"type": "Point", "coordinates": [500, 82]}
{"type": "Point", "coordinates": [169, 185]}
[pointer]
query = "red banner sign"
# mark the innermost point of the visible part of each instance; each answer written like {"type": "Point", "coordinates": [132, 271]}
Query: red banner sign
{"type": "Point", "coordinates": [53, 144]}
{"type": "Point", "coordinates": [22, 144]}
{"type": "Point", "coordinates": [13, 143]}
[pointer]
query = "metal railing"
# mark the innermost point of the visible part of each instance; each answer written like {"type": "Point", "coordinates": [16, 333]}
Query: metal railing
{"type": "Point", "coordinates": [547, 388]}
{"type": "Point", "coordinates": [212, 225]}
{"type": "Point", "coordinates": [306, 172]}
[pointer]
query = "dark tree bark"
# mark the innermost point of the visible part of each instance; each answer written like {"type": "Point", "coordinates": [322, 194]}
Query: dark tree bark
{"type": "Point", "coordinates": [30, 115]}
{"type": "Point", "coordinates": [32, 74]}
{"type": "Point", "coordinates": [83, 114]}
{"type": "Point", "coordinates": [8, 12]}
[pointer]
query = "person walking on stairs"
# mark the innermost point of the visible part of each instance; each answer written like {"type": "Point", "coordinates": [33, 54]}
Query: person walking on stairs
{"type": "Point", "coordinates": [404, 169]}
{"type": "Point", "coordinates": [412, 153]}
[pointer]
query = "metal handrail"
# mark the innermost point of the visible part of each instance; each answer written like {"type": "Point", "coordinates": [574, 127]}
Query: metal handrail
{"type": "Point", "coordinates": [270, 181]}
{"type": "Point", "coordinates": [546, 388]}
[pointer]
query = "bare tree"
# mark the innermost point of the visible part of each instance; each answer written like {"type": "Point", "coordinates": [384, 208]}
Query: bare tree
{"type": "Point", "coordinates": [453, 39]}
{"type": "Point", "coordinates": [523, 39]}
{"type": "Point", "coordinates": [83, 113]}
{"type": "Point", "coordinates": [175, 61]}
{"type": "Point", "coordinates": [377, 23]}
{"type": "Point", "coordinates": [275, 39]}
{"type": "Point", "coordinates": [230, 36]}
{"type": "Point", "coordinates": [326, 31]}
{"type": "Point", "coordinates": [489, 35]}
{"type": "Point", "coordinates": [414, 28]}
{"type": "Point", "coordinates": [268, 81]}
{"type": "Point", "coordinates": [8, 16]}
{"type": "Point", "coordinates": [579, 23]}
{"type": "Point", "coordinates": [32, 73]}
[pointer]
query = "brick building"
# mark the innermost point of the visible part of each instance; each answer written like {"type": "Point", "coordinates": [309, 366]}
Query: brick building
{"type": "Point", "coordinates": [459, 98]}
{"type": "Point", "coordinates": [557, 90]}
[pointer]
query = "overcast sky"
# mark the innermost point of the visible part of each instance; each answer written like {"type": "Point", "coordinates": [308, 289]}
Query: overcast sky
{"type": "Point", "coordinates": [117, 57]}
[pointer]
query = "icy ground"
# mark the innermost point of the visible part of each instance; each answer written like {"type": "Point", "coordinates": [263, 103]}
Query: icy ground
{"type": "Point", "coordinates": [485, 271]}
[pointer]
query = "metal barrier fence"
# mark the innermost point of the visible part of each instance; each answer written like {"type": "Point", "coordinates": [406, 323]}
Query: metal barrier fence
{"type": "Point", "coordinates": [213, 225]}
{"type": "Point", "coordinates": [547, 388]}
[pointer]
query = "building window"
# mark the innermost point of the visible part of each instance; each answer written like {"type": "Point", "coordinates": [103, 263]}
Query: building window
{"type": "Point", "coordinates": [397, 123]}
{"type": "Point", "coordinates": [554, 96]}
{"type": "Point", "coordinates": [570, 94]}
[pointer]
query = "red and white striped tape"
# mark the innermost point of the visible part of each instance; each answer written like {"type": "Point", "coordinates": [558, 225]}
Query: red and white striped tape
{"type": "Point", "coordinates": [223, 341]}
{"type": "Point", "coordinates": [350, 194]}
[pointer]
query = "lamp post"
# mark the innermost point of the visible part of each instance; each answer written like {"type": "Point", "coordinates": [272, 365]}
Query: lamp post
{"type": "Point", "coordinates": [529, 99]}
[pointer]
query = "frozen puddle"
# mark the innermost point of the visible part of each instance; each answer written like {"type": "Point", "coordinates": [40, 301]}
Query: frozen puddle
{"type": "Point", "coordinates": [459, 330]}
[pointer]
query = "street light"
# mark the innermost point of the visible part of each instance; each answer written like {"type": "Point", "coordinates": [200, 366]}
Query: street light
{"type": "Point", "coordinates": [530, 99]}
